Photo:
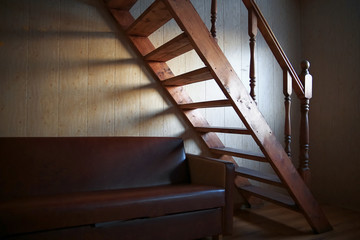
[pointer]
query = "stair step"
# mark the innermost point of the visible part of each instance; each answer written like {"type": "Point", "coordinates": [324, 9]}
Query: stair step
{"type": "Point", "coordinates": [223, 130]}
{"type": "Point", "coordinates": [259, 176]}
{"type": "Point", "coordinates": [208, 104]}
{"type": "Point", "coordinates": [124, 5]}
{"type": "Point", "coordinates": [210, 53]}
{"type": "Point", "coordinates": [175, 47]}
{"type": "Point", "coordinates": [239, 153]}
{"type": "Point", "coordinates": [198, 75]}
{"type": "Point", "coordinates": [152, 19]}
{"type": "Point", "coordinates": [271, 196]}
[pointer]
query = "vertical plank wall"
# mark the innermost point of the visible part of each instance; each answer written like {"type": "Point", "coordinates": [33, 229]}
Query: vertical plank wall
{"type": "Point", "coordinates": [66, 70]}
{"type": "Point", "coordinates": [331, 37]}
{"type": "Point", "coordinates": [73, 70]}
{"type": "Point", "coordinates": [14, 41]}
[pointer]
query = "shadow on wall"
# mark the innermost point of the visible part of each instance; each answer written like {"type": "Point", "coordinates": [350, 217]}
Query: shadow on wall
{"type": "Point", "coordinates": [66, 72]}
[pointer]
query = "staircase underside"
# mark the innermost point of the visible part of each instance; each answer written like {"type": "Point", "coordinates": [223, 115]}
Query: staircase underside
{"type": "Point", "coordinates": [195, 36]}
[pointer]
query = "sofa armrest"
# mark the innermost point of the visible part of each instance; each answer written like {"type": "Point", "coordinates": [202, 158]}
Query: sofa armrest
{"type": "Point", "coordinates": [214, 172]}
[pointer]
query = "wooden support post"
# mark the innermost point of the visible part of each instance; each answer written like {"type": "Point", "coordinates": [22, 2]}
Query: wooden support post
{"type": "Point", "coordinates": [287, 90]}
{"type": "Point", "coordinates": [252, 28]}
{"type": "Point", "coordinates": [213, 18]}
{"type": "Point", "coordinates": [306, 79]}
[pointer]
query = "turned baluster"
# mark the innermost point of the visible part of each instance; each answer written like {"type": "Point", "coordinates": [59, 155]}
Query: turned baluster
{"type": "Point", "coordinates": [252, 28]}
{"type": "Point", "coordinates": [287, 90]}
{"type": "Point", "coordinates": [213, 18]}
{"type": "Point", "coordinates": [306, 80]}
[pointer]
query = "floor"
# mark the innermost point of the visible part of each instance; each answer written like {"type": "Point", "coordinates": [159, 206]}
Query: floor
{"type": "Point", "coordinates": [273, 222]}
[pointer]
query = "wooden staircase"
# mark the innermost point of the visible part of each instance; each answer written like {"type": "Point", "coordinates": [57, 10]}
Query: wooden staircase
{"type": "Point", "coordinates": [196, 36]}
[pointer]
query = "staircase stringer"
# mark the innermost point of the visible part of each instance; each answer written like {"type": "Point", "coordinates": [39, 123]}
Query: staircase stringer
{"type": "Point", "coordinates": [177, 94]}
{"type": "Point", "coordinates": [161, 71]}
{"type": "Point", "coordinates": [212, 56]}
{"type": "Point", "coordinates": [189, 21]}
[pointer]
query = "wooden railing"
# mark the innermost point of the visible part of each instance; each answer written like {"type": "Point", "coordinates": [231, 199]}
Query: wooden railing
{"type": "Point", "coordinates": [213, 18]}
{"type": "Point", "coordinates": [306, 80]}
{"type": "Point", "coordinates": [301, 84]}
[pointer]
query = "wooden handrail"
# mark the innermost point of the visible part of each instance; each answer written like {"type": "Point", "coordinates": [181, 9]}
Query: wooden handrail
{"type": "Point", "coordinates": [275, 47]}
{"type": "Point", "coordinates": [302, 85]}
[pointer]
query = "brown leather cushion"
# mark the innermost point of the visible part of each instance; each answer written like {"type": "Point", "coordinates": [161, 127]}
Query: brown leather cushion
{"type": "Point", "coordinates": [58, 211]}
{"type": "Point", "coordinates": [56, 165]}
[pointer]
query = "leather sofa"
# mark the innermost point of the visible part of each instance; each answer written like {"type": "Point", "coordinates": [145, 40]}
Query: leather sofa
{"type": "Point", "coordinates": [111, 188]}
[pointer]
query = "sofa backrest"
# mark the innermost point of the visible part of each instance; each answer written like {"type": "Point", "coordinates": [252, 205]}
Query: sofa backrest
{"type": "Point", "coordinates": [52, 165]}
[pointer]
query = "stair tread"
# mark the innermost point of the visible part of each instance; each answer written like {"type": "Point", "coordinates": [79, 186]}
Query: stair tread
{"type": "Point", "coordinates": [152, 19]}
{"type": "Point", "coordinates": [191, 23]}
{"type": "Point", "coordinates": [175, 47]}
{"type": "Point", "coordinates": [223, 129]}
{"type": "Point", "coordinates": [271, 196]}
{"type": "Point", "coordinates": [257, 175]}
{"type": "Point", "coordinates": [198, 75]}
{"type": "Point", "coordinates": [239, 153]}
{"type": "Point", "coordinates": [207, 104]}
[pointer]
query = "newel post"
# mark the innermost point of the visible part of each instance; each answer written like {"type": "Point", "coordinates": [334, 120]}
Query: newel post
{"type": "Point", "coordinates": [306, 80]}
{"type": "Point", "coordinates": [287, 90]}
